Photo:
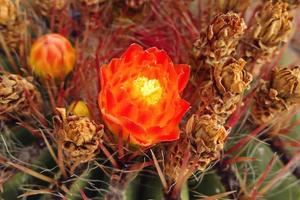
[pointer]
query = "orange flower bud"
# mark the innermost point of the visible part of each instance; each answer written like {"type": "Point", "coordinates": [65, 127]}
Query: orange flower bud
{"type": "Point", "coordinates": [140, 95]}
{"type": "Point", "coordinates": [52, 55]}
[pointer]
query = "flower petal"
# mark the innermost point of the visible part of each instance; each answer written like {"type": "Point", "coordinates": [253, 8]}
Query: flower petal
{"type": "Point", "coordinates": [131, 52]}
{"type": "Point", "coordinates": [104, 75]}
{"type": "Point", "coordinates": [113, 123]}
{"type": "Point", "coordinates": [161, 56]}
{"type": "Point", "coordinates": [163, 133]}
{"type": "Point", "coordinates": [182, 107]}
{"type": "Point", "coordinates": [183, 72]}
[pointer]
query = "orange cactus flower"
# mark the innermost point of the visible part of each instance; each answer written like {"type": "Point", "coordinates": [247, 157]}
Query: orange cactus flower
{"type": "Point", "coordinates": [52, 55]}
{"type": "Point", "coordinates": [140, 95]}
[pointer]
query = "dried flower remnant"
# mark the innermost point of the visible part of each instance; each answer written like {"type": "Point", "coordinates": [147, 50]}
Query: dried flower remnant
{"type": "Point", "coordinates": [140, 95]}
{"type": "Point", "coordinates": [17, 96]}
{"type": "Point", "coordinates": [292, 3]}
{"type": "Point", "coordinates": [204, 139]}
{"type": "Point", "coordinates": [53, 56]}
{"type": "Point", "coordinates": [80, 137]}
{"type": "Point", "coordinates": [286, 82]}
{"type": "Point", "coordinates": [12, 26]}
{"type": "Point", "coordinates": [221, 95]}
{"type": "Point", "coordinates": [277, 96]}
{"type": "Point", "coordinates": [232, 78]}
{"type": "Point", "coordinates": [237, 6]}
{"type": "Point", "coordinates": [220, 39]}
{"type": "Point", "coordinates": [13, 34]}
{"type": "Point", "coordinates": [270, 32]}
{"type": "Point", "coordinates": [8, 12]}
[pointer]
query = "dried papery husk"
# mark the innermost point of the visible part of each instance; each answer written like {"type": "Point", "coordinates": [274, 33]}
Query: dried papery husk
{"type": "Point", "coordinates": [18, 95]}
{"type": "Point", "coordinates": [278, 95]}
{"type": "Point", "coordinates": [221, 95]}
{"type": "Point", "coordinates": [286, 81]}
{"type": "Point", "coordinates": [220, 39]}
{"type": "Point", "coordinates": [46, 7]}
{"type": "Point", "coordinates": [267, 104]}
{"type": "Point", "coordinates": [292, 3]}
{"type": "Point", "coordinates": [232, 77]}
{"type": "Point", "coordinates": [270, 32]}
{"type": "Point", "coordinates": [211, 102]}
{"type": "Point", "coordinates": [8, 12]}
{"type": "Point", "coordinates": [203, 140]}
{"type": "Point", "coordinates": [80, 137]}
{"type": "Point", "coordinates": [13, 35]}
{"type": "Point", "coordinates": [236, 6]}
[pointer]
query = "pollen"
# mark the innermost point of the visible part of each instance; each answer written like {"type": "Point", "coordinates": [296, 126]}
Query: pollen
{"type": "Point", "coordinates": [149, 90]}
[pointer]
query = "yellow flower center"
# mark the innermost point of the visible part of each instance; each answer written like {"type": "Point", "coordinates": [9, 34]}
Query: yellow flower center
{"type": "Point", "coordinates": [149, 90]}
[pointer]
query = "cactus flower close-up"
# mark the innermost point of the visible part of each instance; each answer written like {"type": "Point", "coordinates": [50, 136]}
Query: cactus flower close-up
{"type": "Point", "coordinates": [140, 95]}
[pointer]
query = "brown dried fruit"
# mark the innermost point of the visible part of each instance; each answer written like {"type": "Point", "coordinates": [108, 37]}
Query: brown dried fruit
{"type": "Point", "coordinates": [220, 39]}
{"type": "Point", "coordinates": [80, 137]}
{"type": "Point", "coordinates": [204, 140]}
{"type": "Point", "coordinates": [17, 95]}
{"type": "Point", "coordinates": [270, 32]}
{"type": "Point", "coordinates": [277, 96]}
{"type": "Point", "coordinates": [292, 3]}
{"type": "Point", "coordinates": [267, 104]}
{"type": "Point", "coordinates": [8, 13]}
{"type": "Point", "coordinates": [221, 95]}
{"type": "Point", "coordinates": [287, 83]}
{"type": "Point", "coordinates": [13, 34]}
{"type": "Point", "coordinates": [232, 77]}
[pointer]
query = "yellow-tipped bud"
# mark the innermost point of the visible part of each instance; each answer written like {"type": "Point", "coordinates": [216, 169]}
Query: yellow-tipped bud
{"type": "Point", "coordinates": [79, 108]}
{"type": "Point", "coordinates": [52, 55]}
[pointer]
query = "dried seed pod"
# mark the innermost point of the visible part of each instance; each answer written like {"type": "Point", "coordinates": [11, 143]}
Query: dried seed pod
{"type": "Point", "coordinates": [80, 137]}
{"type": "Point", "coordinates": [220, 39]}
{"type": "Point", "coordinates": [292, 3]}
{"type": "Point", "coordinates": [17, 95]}
{"type": "Point", "coordinates": [204, 140]}
{"type": "Point", "coordinates": [46, 7]}
{"type": "Point", "coordinates": [286, 82]}
{"type": "Point", "coordinates": [278, 95]}
{"type": "Point", "coordinates": [13, 34]}
{"type": "Point", "coordinates": [232, 77]}
{"type": "Point", "coordinates": [8, 12]}
{"type": "Point", "coordinates": [237, 6]}
{"type": "Point", "coordinates": [221, 95]}
{"type": "Point", "coordinates": [211, 102]}
{"type": "Point", "coordinates": [270, 32]}
{"type": "Point", "coordinates": [267, 104]}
